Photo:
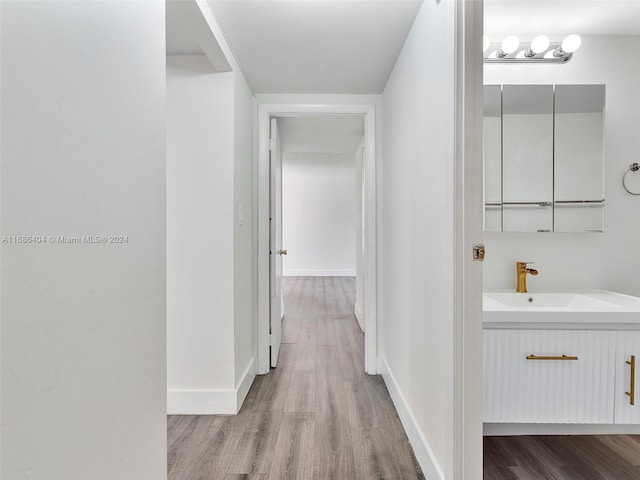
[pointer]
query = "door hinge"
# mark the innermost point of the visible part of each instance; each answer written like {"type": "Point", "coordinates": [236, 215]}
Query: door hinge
{"type": "Point", "coordinates": [272, 144]}
{"type": "Point", "coordinates": [478, 252]}
{"type": "Point", "coordinates": [270, 339]}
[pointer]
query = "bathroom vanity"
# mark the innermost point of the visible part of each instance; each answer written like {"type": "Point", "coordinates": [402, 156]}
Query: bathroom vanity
{"type": "Point", "coordinates": [561, 359]}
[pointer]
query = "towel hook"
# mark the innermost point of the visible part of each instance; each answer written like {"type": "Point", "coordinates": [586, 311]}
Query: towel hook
{"type": "Point", "coordinates": [634, 167]}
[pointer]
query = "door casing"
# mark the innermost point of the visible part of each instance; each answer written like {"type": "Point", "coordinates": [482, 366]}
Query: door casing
{"type": "Point", "coordinates": [276, 307]}
{"type": "Point", "coordinates": [369, 261]}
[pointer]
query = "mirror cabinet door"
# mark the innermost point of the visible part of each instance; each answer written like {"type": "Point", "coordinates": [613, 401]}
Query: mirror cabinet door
{"type": "Point", "coordinates": [579, 158]}
{"type": "Point", "coordinates": [492, 150]}
{"type": "Point", "coordinates": [544, 158]}
{"type": "Point", "coordinates": [527, 162]}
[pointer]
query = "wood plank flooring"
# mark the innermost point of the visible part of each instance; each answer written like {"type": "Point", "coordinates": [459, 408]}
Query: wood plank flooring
{"type": "Point", "coordinates": [567, 457]}
{"type": "Point", "coordinates": [316, 416]}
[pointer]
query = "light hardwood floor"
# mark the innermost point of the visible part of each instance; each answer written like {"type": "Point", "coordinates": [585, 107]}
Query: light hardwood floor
{"type": "Point", "coordinates": [568, 457]}
{"type": "Point", "coordinates": [316, 416]}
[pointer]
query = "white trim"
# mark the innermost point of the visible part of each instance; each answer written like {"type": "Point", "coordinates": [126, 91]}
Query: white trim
{"type": "Point", "coordinates": [242, 389]}
{"type": "Point", "coordinates": [318, 273]}
{"type": "Point", "coordinates": [369, 248]}
{"type": "Point", "coordinates": [216, 30]}
{"type": "Point", "coordinates": [499, 429]}
{"type": "Point", "coordinates": [359, 316]}
{"type": "Point", "coordinates": [464, 458]}
{"type": "Point", "coordinates": [265, 112]}
{"type": "Point", "coordinates": [423, 452]}
{"type": "Point", "coordinates": [201, 402]}
{"type": "Point", "coordinates": [211, 402]}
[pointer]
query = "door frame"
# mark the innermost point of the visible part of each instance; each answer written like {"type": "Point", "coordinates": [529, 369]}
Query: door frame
{"type": "Point", "coordinates": [369, 251]}
{"type": "Point", "coordinates": [465, 458]}
{"type": "Point", "coordinates": [276, 303]}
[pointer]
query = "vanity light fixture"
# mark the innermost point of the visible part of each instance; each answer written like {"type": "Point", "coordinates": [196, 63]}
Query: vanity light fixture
{"type": "Point", "coordinates": [540, 50]}
{"type": "Point", "coordinates": [568, 45]}
{"type": "Point", "coordinates": [508, 46]}
{"type": "Point", "coordinates": [538, 45]}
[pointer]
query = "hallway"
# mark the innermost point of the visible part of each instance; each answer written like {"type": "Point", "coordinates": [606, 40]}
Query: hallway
{"type": "Point", "coordinates": [317, 415]}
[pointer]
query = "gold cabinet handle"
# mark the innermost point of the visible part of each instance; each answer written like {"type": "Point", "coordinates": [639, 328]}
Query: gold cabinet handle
{"type": "Point", "coordinates": [632, 382]}
{"type": "Point", "coordinates": [283, 252]}
{"type": "Point", "coordinates": [552, 357]}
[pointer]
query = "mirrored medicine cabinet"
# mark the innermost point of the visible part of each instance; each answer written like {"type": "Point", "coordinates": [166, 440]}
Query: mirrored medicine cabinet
{"type": "Point", "coordinates": [544, 158]}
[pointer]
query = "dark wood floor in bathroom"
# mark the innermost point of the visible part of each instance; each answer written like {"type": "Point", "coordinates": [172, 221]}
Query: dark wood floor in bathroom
{"type": "Point", "coordinates": [568, 457]}
{"type": "Point", "coordinates": [316, 416]}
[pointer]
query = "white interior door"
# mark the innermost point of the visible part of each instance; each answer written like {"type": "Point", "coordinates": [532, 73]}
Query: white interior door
{"type": "Point", "coordinates": [275, 243]}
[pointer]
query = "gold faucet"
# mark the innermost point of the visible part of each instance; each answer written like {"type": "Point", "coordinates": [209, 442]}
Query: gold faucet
{"type": "Point", "coordinates": [522, 270]}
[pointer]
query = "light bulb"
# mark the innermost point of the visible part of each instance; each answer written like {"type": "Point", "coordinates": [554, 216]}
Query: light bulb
{"type": "Point", "coordinates": [510, 44]}
{"type": "Point", "coordinates": [571, 43]}
{"type": "Point", "coordinates": [486, 41]}
{"type": "Point", "coordinates": [540, 44]}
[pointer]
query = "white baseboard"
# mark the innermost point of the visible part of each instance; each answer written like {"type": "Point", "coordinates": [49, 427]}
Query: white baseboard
{"type": "Point", "coordinates": [359, 316]}
{"type": "Point", "coordinates": [318, 273]}
{"type": "Point", "coordinates": [500, 429]}
{"type": "Point", "coordinates": [211, 402]}
{"type": "Point", "coordinates": [421, 448]}
{"type": "Point", "coordinates": [246, 381]}
{"type": "Point", "coordinates": [201, 402]}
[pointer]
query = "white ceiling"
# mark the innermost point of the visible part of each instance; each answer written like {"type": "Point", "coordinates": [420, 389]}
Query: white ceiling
{"type": "Point", "coordinates": [321, 134]}
{"type": "Point", "coordinates": [350, 46]}
{"type": "Point", "coordinates": [188, 33]}
{"type": "Point", "coordinates": [561, 17]}
{"type": "Point", "coordinates": [181, 23]}
{"type": "Point", "coordinates": [316, 46]}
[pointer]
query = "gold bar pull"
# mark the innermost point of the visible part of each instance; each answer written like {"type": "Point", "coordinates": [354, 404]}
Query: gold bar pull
{"type": "Point", "coordinates": [552, 357]}
{"type": "Point", "coordinates": [632, 382]}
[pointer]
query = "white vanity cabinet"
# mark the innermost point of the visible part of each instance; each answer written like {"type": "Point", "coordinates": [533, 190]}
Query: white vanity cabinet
{"type": "Point", "coordinates": [561, 362]}
{"type": "Point", "coordinates": [549, 376]}
{"type": "Point", "coordinates": [627, 359]}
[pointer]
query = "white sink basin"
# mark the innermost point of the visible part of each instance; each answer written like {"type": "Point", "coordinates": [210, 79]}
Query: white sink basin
{"type": "Point", "coordinates": [594, 309]}
{"type": "Point", "coordinates": [547, 300]}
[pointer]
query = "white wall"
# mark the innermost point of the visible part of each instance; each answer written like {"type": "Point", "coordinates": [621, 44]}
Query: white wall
{"type": "Point", "coordinates": [245, 324]}
{"type": "Point", "coordinates": [319, 214]}
{"type": "Point", "coordinates": [607, 260]}
{"type": "Point", "coordinates": [212, 340]}
{"type": "Point", "coordinates": [200, 236]}
{"type": "Point", "coordinates": [83, 325]}
{"type": "Point", "coordinates": [418, 243]}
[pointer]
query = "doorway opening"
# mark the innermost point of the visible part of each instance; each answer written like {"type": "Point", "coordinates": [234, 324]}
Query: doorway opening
{"type": "Point", "coordinates": [321, 222]}
{"type": "Point", "coordinates": [295, 119]}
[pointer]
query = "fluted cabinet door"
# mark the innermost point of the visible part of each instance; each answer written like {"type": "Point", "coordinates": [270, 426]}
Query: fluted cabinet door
{"type": "Point", "coordinates": [554, 390]}
{"type": "Point", "coordinates": [628, 347]}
